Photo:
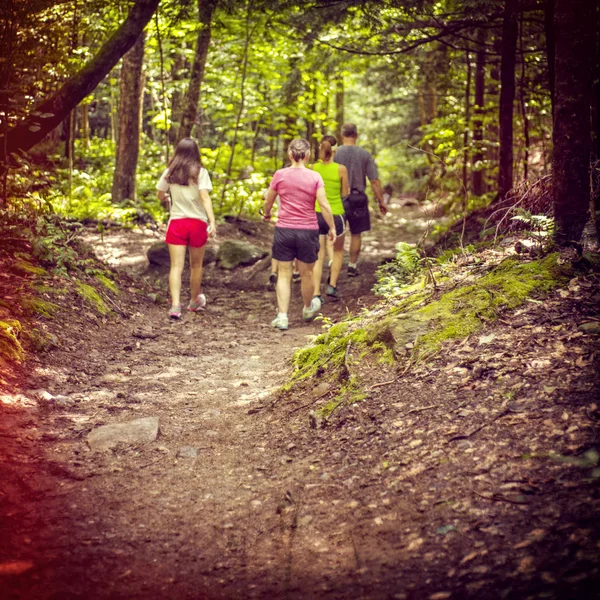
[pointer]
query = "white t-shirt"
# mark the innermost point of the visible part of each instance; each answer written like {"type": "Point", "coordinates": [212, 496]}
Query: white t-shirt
{"type": "Point", "coordinates": [185, 199]}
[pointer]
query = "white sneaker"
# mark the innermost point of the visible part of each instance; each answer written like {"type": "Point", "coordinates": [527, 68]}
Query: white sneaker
{"type": "Point", "coordinates": [280, 322]}
{"type": "Point", "coordinates": [200, 303]}
{"type": "Point", "coordinates": [308, 314]}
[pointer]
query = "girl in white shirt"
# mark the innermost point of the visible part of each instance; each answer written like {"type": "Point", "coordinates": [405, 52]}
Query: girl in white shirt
{"type": "Point", "coordinates": [191, 221]}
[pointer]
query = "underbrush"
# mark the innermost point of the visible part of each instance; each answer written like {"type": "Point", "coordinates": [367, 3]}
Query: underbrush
{"type": "Point", "coordinates": [85, 192]}
{"type": "Point", "coordinates": [48, 270]}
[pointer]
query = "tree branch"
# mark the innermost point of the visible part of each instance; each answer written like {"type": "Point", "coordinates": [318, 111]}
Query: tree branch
{"type": "Point", "coordinates": [53, 111]}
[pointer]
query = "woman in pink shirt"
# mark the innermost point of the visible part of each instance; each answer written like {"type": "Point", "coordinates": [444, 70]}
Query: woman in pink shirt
{"type": "Point", "coordinates": [297, 230]}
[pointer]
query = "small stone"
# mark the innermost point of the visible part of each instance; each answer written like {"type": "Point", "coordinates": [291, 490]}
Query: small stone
{"type": "Point", "coordinates": [138, 431]}
{"type": "Point", "coordinates": [593, 327]}
{"type": "Point", "coordinates": [187, 452]}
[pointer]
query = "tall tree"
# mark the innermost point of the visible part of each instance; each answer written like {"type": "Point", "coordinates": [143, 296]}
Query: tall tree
{"type": "Point", "coordinates": [206, 8]}
{"type": "Point", "coordinates": [480, 61]}
{"type": "Point", "coordinates": [130, 121]}
{"type": "Point", "coordinates": [574, 29]}
{"type": "Point", "coordinates": [507, 96]}
{"type": "Point", "coordinates": [55, 109]}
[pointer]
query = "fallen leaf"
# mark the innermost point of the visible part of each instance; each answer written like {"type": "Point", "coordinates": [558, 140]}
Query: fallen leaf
{"type": "Point", "coordinates": [487, 339]}
{"type": "Point", "coordinates": [468, 558]}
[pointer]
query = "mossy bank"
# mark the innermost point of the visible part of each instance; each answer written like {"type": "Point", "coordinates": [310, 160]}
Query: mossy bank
{"type": "Point", "coordinates": [416, 324]}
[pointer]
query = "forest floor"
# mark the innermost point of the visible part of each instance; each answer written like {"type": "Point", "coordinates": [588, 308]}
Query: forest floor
{"type": "Point", "coordinates": [474, 475]}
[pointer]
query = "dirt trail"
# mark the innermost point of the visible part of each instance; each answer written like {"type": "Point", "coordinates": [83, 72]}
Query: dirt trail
{"type": "Point", "coordinates": [214, 508]}
{"type": "Point", "coordinates": [472, 476]}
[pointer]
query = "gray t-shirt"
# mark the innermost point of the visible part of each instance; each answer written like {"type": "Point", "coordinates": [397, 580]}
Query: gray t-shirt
{"type": "Point", "coordinates": [360, 165]}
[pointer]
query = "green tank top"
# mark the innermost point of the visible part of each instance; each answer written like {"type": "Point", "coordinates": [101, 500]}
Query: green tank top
{"type": "Point", "coordinates": [333, 186]}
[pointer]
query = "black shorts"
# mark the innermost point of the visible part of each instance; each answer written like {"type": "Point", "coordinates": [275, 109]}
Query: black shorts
{"type": "Point", "coordinates": [356, 206]}
{"type": "Point", "coordinates": [302, 244]}
{"type": "Point", "coordinates": [340, 224]}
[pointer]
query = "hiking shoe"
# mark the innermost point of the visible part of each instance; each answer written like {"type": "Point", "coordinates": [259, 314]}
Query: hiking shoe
{"type": "Point", "coordinates": [295, 277]}
{"type": "Point", "coordinates": [353, 272]}
{"type": "Point", "coordinates": [332, 293]}
{"type": "Point", "coordinates": [280, 322]}
{"type": "Point", "coordinates": [200, 303]}
{"type": "Point", "coordinates": [175, 312]}
{"type": "Point", "coordinates": [308, 314]}
{"type": "Point", "coordinates": [272, 282]}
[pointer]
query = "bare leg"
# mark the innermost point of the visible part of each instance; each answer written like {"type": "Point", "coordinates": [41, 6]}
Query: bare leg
{"type": "Point", "coordinates": [196, 263]}
{"type": "Point", "coordinates": [329, 251]}
{"type": "Point", "coordinates": [274, 265]}
{"type": "Point", "coordinates": [284, 282]}
{"type": "Point", "coordinates": [177, 255]}
{"type": "Point", "coordinates": [318, 269]}
{"type": "Point", "coordinates": [355, 244]}
{"type": "Point", "coordinates": [338, 257]}
{"type": "Point", "coordinates": [308, 286]}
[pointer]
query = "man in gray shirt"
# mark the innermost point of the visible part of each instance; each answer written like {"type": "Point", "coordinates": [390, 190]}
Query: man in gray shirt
{"type": "Point", "coordinates": [360, 165]}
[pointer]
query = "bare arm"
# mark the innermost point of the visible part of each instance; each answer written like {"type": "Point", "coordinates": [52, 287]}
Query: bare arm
{"type": "Point", "coordinates": [208, 207]}
{"type": "Point", "coordinates": [164, 198]}
{"type": "Point", "coordinates": [344, 178]}
{"type": "Point", "coordinates": [326, 212]}
{"type": "Point", "coordinates": [378, 191]}
{"type": "Point", "coordinates": [269, 199]}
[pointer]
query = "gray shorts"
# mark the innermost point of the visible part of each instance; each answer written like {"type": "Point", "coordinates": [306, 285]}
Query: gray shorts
{"type": "Point", "coordinates": [340, 224]}
{"type": "Point", "coordinates": [302, 244]}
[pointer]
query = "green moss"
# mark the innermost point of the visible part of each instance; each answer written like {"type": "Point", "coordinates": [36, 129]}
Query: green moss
{"type": "Point", "coordinates": [10, 347]}
{"type": "Point", "coordinates": [456, 314]}
{"type": "Point", "coordinates": [91, 296]}
{"type": "Point", "coordinates": [349, 393]}
{"type": "Point", "coordinates": [37, 306]}
{"type": "Point", "coordinates": [41, 288]}
{"type": "Point", "coordinates": [462, 312]}
{"type": "Point", "coordinates": [109, 284]}
{"type": "Point", "coordinates": [23, 266]}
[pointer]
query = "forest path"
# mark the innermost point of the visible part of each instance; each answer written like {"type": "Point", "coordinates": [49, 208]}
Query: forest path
{"type": "Point", "coordinates": [218, 505]}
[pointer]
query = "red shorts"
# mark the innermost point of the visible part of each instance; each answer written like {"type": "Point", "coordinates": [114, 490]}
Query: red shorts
{"type": "Point", "coordinates": [187, 232]}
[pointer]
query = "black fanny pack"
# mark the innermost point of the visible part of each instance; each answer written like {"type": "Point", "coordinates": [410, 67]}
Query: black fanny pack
{"type": "Point", "coordinates": [356, 203]}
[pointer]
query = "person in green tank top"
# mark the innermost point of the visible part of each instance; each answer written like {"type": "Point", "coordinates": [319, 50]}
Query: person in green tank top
{"type": "Point", "coordinates": [336, 187]}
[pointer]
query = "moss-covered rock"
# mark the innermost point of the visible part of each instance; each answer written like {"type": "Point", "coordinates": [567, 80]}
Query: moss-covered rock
{"type": "Point", "coordinates": [10, 346]}
{"type": "Point", "coordinates": [92, 297]}
{"type": "Point", "coordinates": [235, 253]}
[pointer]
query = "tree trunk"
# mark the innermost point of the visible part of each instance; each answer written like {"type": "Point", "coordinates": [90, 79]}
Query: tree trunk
{"type": "Point", "coordinates": [507, 96]}
{"type": "Point", "coordinates": [477, 161]}
{"type": "Point", "coordinates": [550, 43]}
{"type": "Point", "coordinates": [242, 106]}
{"type": "Point", "coordinates": [189, 115]}
{"type": "Point", "coordinates": [130, 121]}
{"type": "Point", "coordinates": [523, 103]}
{"type": "Point", "coordinates": [339, 102]}
{"type": "Point", "coordinates": [291, 91]}
{"type": "Point", "coordinates": [34, 128]}
{"type": "Point", "coordinates": [85, 125]}
{"type": "Point", "coordinates": [465, 169]}
{"type": "Point", "coordinates": [574, 26]}
{"type": "Point", "coordinates": [177, 74]}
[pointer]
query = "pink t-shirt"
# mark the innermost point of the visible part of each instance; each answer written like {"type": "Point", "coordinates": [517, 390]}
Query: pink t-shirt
{"type": "Point", "coordinates": [297, 190]}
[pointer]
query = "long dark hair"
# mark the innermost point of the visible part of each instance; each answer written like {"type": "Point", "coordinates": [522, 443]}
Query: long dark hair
{"type": "Point", "coordinates": [186, 163]}
{"type": "Point", "coordinates": [326, 147]}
